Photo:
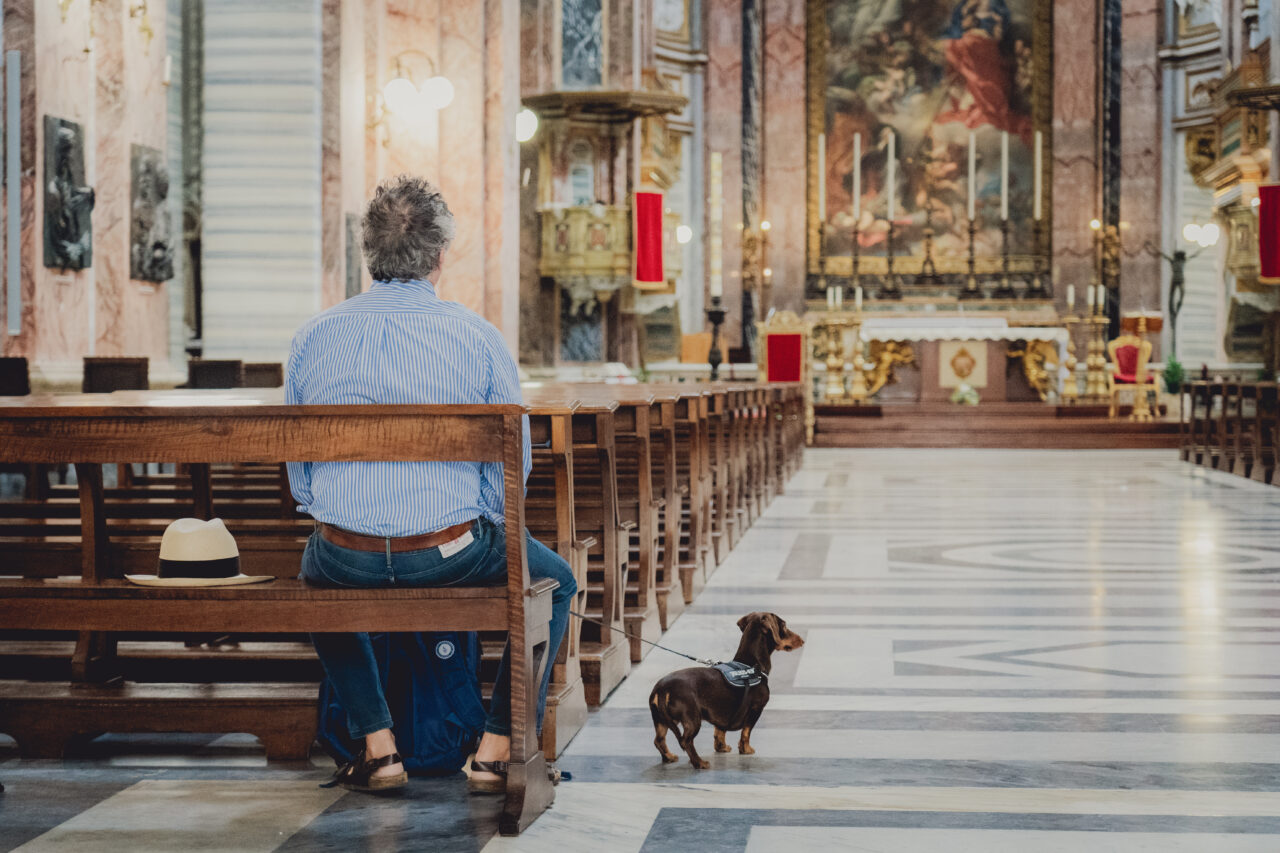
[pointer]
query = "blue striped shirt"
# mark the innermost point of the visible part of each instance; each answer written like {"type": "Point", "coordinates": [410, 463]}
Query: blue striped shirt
{"type": "Point", "coordinates": [399, 343]}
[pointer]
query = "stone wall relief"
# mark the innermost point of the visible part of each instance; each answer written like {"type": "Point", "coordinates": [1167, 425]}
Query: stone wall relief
{"type": "Point", "coordinates": [150, 229]}
{"type": "Point", "coordinates": [68, 202]}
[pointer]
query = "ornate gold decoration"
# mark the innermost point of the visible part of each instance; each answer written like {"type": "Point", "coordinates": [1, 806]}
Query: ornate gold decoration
{"type": "Point", "coordinates": [1039, 364]}
{"type": "Point", "coordinates": [963, 363]}
{"type": "Point", "coordinates": [1070, 387]}
{"type": "Point", "coordinates": [1201, 149]}
{"type": "Point", "coordinates": [884, 355]}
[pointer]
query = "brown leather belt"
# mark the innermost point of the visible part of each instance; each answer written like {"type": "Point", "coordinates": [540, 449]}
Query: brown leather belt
{"type": "Point", "coordinates": [395, 544]}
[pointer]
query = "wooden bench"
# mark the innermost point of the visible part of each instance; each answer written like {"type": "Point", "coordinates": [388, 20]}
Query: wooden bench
{"type": "Point", "coordinates": [604, 651]}
{"type": "Point", "coordinates": [99, 601]}
{"type": "Point", "coordinates": [1233, 426]}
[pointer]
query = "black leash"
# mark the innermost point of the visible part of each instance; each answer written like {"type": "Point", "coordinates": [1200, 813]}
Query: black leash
{"type": "Point", "coordinates": [643, 640]}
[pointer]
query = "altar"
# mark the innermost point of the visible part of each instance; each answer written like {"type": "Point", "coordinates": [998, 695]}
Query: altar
{"type": "Point", "coordinates": [926, 357]}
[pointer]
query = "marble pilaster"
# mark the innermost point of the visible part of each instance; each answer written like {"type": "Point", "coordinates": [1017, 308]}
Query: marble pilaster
{"type": "Point", "coordinates": [132, 317]}
{"type": "Point", "coordinates": [724, 134]}
{"type": "Point", "coordinates": [1140, 169]}
{"type": "Point", "coordinates": [784, 145]}
{"type": "Point", "coordinates": [1075, 129]}
{"type": "Point", "coordinates": [463, 142]}
{"type": "Point", "coordinates": [501, 246]}
{"type": "Point", "coordinates": [332, 226]}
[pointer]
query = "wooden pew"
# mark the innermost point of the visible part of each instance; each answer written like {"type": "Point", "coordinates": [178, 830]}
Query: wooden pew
{"type": "Point", "coordinates": [99, 601]}
{"type": "Point", "coordinates": [604, 652]}
{"type": "Point", "coordinates": [550, 518]}
{"type": "Point", "coordinates": [639, 505]}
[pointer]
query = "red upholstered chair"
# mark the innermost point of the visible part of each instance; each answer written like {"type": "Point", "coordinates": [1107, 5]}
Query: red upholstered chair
{"type": "Point", "coordinates": [784, 356]}
{"type": "Point", "coordinates": [1128, 369]}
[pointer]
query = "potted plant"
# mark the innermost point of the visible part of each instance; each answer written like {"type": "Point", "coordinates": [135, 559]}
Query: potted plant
{"type": "Point", "coordinates": [1174, 376]}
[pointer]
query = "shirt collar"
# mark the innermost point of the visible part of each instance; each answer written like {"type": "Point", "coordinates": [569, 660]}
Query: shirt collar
{"type": "Point", "coordinates": [416, 285]}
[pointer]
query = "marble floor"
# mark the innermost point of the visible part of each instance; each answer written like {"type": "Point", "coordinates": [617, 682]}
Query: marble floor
{"type": "Point", "coordinates": [1005, 651]}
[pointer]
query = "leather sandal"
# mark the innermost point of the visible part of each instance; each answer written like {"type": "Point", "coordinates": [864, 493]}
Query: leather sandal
{"type": "Point", "coordinates": [357, 774]}
{"type": "Point", "coordinates": [488, 786]}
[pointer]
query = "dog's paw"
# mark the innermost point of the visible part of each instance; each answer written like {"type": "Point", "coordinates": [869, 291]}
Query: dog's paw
{"type": "Point", "coordinates": [723, 747]}
{"type": "Point", "coordinates": [700, 764]}
{"type": "Point", "coordinates": [670, 759]}
{"type": "Point", "coordinates": [746, 749]}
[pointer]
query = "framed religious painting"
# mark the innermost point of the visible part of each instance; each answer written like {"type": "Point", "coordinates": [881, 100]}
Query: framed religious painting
{"type": "Point", "coordinates": [914, 109]}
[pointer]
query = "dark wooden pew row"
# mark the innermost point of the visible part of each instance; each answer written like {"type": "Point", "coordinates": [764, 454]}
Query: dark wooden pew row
{"type": "Point", "coordinates": [680, 436]}
{"type": "Point", "coordinates": [1233, 426]}
{"type": "Point", "coordinates": [99, 602]}
{"type": "Point", "coordinates": [604, 651]}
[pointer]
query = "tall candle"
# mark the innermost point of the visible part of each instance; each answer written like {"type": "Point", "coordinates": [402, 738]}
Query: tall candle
{"type": "Point", "coordinates": [822, 177]}
{"type": "Point", "coordinates": [839, 297]}
{"type": "Point", "coordinates": [715, 225]}
{"type": "Point", "coordinates": [973, 182]}
{"type": "Point", "coordinates": [1036, 169]}
{"type": "Point", "coordinates": [1092, 297]}
{"type": "Point", "coordinates": [857, 298]}
{"type": "Point", "coordinates": [831, 299]}
{"type": "Point", "coordinates": [1071, 297]}
{"type": "Point", "coordinates": [893, 167]}
{"type": "Point", "coordinates": [857, 176]}
{"type": "Point", "coordinates": [1004, 174]}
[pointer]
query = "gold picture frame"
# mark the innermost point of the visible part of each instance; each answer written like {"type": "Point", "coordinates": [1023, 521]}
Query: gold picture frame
{"type": "Point", "coordinates": [816, 41]}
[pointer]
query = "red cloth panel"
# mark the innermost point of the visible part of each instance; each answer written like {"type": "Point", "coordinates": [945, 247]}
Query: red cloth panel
{"type": "Point", "coordinates": [1127, 361]}
{"type": "Point", "coordinates": [649, 238]}
{"type": "Point", "coordinates": [1269, 233]}
{"type": "Point", "coordinates": [784, 358]}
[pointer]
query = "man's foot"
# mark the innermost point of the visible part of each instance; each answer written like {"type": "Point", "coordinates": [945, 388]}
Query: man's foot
{"type": "Point", "coordinates": [492, 754]}
{"type": "Point", "coordinates": [379, 744]}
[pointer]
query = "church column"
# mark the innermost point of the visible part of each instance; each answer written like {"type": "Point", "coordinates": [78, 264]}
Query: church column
{"type": "Point", "coordinates": [752, 167]}
{"type": "Point", "coordinates": [1075, 129]}
{"type": "Point", "coordinates": [1140, 170]}
{"type": "Point", "coordinates": [724, 134]}
{"type": "Point", "coordinates": [784, 142]}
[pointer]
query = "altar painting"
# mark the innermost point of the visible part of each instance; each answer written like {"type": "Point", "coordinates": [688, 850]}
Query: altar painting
{"type": "Point", "coordinates": [928, 73]}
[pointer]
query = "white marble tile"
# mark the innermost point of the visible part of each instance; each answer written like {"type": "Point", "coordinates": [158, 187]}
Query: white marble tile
{"type": "Point", "coordinates": [767, 839]}
{"type": "Point", "coordinates": [164, 816]}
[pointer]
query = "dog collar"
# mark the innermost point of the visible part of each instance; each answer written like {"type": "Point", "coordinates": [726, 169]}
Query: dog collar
{"type": "Point", "coordinates": [739, 674]}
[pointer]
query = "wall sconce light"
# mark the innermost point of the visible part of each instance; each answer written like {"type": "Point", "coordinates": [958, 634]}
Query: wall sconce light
{"type": "Point", "coordinates": [408, 101]}
{"type": "Point", "coordinates": [526, 125]}
{"type": "Point", "coordinates": [1203, 236]}
{"type": "Point", "coordinates": [683, 234]}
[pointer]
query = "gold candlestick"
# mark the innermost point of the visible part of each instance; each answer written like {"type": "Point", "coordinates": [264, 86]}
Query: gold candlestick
{"type": "Point", "coordinates": [858, 383]}
{"type": "Point", "coordinates": [1070, 389]}
{"type": "Point", "coordinates": [835, 364]}
{"type": "Point", "coordinates": [1141, 406]}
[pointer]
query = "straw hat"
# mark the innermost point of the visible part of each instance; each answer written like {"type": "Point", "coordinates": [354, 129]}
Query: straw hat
{"type": "Point", "coordinates": [198, 553]}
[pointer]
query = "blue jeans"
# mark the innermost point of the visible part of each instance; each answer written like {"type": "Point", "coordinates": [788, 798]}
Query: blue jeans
{"type": "Point", "coordinates": [348, 658]}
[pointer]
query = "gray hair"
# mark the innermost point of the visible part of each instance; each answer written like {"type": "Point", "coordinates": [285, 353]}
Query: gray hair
{"type": "Point", "coordinates": [407, 226]}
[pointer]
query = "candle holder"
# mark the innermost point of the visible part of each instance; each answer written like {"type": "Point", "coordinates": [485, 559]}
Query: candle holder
{"type": "Point", "coordinates": [715, 314]}
{"type": "Point", "coordinates": [1005, 289]}
{"type": "Point", "coordinates": [890, 290]}
{"type": "Point", "coordinates": [857, 257]}
{"type": "Point", "coordinates": [1071, 388]}
{"type": "Point", "coordinates": [835, 364]}
{"type": "Point", "coordinates": [1036, 288]}
{"type": "Point", "coordinates": [928, 270]}
{"type": "Point", "coordinates": [971, 289]}
{"type": "Point", "coordinates": [858, 382]}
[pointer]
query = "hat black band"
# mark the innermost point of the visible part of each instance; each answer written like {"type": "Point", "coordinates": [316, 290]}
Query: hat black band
{"type": "Point", "coordinates": [227, 567]}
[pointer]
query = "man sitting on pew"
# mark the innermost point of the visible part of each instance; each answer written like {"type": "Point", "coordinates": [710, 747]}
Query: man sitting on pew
{"type": "Point", "coordinates": [409, 523]}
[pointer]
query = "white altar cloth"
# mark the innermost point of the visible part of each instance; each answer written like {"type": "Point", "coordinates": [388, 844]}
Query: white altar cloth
{"type": "Point", "coordinates": [953, 329]}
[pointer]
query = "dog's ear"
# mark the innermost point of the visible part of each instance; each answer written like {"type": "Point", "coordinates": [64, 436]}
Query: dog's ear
{"type": "Point", "coordinates": [776, 627]}
{"type": "Point", "coordinates": [783, 637]}
{"type": "Point", "coordinates": [746, 620]}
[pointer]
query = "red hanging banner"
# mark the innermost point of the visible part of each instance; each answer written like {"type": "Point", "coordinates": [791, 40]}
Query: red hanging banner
{"type": "Point", "coordinates": [649, 268]}
{"type": "Point", "coordinates": [1269, 233]}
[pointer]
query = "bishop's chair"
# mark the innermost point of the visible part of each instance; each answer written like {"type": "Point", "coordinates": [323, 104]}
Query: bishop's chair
{"type": "Point", "coordinates": [1130, 355]}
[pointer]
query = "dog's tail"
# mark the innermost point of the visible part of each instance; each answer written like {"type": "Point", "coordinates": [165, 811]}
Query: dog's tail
{"type": "Point", "coordinates": [658, 701]}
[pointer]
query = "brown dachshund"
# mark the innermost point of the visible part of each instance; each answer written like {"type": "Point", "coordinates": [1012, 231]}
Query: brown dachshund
{"type": "Point", "coordinates": [682, 700]}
